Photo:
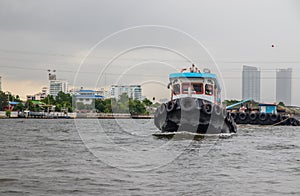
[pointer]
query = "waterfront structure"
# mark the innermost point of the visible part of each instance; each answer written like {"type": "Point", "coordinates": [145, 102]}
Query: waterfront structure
{"type": "Point", "coordinates": [133, 91]}
{"type": "Point", "coordinates": [284, 86]}
{"type": "Point", "coordinates": [86, 96]}
{"type": "Point", "coordinates": [251, 83]}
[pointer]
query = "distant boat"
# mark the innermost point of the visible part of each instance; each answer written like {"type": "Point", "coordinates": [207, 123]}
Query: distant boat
{"type": "Point", "coordinates": [195, 105]}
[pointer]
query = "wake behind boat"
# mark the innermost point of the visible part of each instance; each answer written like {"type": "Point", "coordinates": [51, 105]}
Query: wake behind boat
{"type": "Point", "coordinates": [195, 105]}
{"type": "Point", "coordinates": [189, 135]}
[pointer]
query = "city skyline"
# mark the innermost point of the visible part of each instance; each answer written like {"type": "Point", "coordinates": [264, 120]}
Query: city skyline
{"type": "Point", "coordinates": [251, 86]}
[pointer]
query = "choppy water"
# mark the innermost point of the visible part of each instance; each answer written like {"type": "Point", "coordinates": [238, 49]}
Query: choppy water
{"type": "Point", "coordinates": [108, 157]}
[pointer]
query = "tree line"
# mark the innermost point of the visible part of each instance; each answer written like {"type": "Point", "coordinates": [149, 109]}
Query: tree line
{"type": "Point", "coordinates": [67, 102]}
{"type": "Point", "coordinates": [122, 105]}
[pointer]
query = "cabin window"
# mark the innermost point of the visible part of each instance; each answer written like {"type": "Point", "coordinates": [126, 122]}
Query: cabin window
{"type": "Point", "coordinates": [176, 89]}
{"type": "Point", "coordinates": [208, 89]}
{"type": "Point", "coordinates": [185, 88]}
{"type": "Point", "coordinates": [198, 88]}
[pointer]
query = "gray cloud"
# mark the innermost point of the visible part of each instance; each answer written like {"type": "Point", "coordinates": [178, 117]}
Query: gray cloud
{"type": "Point", "coordinates": [37, 35]}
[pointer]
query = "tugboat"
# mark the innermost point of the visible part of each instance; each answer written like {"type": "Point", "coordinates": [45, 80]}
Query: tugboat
{"type": "Point", "coordinates": [195, 105]}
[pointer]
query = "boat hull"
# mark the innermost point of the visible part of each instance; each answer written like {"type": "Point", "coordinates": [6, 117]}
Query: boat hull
{"type": "Point", "coordinates": [264, 119]}
{"type": "Point", "coordinates": [193, 115]}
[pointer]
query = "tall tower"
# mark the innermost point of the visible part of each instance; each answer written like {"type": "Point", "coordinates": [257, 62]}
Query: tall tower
{"type": "Point", "coordinates": [251, 83]}
{"type": "Point", "coordinates": [284, 86]}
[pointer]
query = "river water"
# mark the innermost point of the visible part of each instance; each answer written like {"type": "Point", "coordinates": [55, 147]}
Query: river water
{"type": "Point", "coordinates": [121, 157]}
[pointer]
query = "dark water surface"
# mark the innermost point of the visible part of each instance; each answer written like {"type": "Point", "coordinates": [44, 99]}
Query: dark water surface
{"type": "Point", "coordinates": [108, 157]}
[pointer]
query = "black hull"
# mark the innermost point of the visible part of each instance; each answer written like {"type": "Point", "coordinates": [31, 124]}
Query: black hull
{"type": "Point", "coordinates": [264, 119]}
{"type": "Point", "coordinates": [193, 115]}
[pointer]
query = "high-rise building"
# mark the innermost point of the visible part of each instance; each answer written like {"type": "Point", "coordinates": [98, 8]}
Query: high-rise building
{"type": "Point", "coordinates": [251, 83]}
{"type": "Point", "coordinates": [133, 91]}
{"type": "Point", "coordinates": [56, 86]}
{"type": "Point", "coordinates": [284, 86]}
{"type": "Point", "coordinates": [0, 83]}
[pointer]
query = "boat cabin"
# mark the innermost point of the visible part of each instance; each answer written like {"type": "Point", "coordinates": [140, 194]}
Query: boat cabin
{"type": "Point", "coordinates": [269, 108]}
{"type": "Point", "coordinates": [197, 85]}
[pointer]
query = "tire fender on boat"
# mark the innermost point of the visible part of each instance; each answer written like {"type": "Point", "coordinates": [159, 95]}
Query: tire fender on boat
{"type": "Point", "coordinates": [187, 104]}
{"type": "Point", "coordinates": [273, 117]}
{"type": "Point", "coordinates": [263, 116]}
{"type": "Point", "coordinates": [170, 106]}
{"type": "Point", "coordinates": [253, 116]}
{"type": "Point", "coordinates": [224, 113]}
{"type": "Point", "coordinates": [162, 109]}
{"type": "Point", "coordinates": [207, 108]}
{"type": "Point", "coordinates": [217, 110]}
{"type": "Point", "coordinates": [242, 116]}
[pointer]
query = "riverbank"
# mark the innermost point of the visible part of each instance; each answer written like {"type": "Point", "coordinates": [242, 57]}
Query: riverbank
{"type": "Point", "coordinates": [55, 115]}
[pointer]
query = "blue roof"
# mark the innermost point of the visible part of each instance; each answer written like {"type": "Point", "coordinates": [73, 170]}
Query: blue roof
{"type": "Point", "coordinates": [195, 75]}
{"type": "Point", "coordinates": [89, 97]}
{"type": "Point", "coordinates": [267, 104]}
{"type": "Point", "coordinates": [86, 91]}
{"type": "Point", "coordinates": [13, 103]}
{"type": "Point", "coordinates": [192, 75]}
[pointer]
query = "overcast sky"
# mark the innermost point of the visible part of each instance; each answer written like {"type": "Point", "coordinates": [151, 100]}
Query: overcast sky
{"type": "Point", "coordinates": [88, 37]}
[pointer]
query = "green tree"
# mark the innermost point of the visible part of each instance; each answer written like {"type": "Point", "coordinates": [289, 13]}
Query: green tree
{"type": "Point", "coordinates": [230, 102]}
{"type": "Point", "coordinates": [100, 105]}
{"type": "Point", "coordinates": [49, 100]}
{"type": "Point", "coordinates": [123, 105]}
{"type": "Point", "coordinates": [281, 104]}
{"type": "Point", "coordinates": [136, 107]}
{"type": "Point", "coordinates": [8, 113]}
{"type": "Point", "coordinates": [3, 101]}
{"type": "Point", "coordinates": [32, 107]}
{"type": "Point", "coordinates": [63, 100]}
{"type": "Point", "coordinates": [147, 102]}
{"type": "Point", "coordinates": [108, 105]}
{"type": "Point", "coordinates": [19, 107]}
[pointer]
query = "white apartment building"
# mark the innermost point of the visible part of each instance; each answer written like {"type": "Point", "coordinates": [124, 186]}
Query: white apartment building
{"type": "Point", "coordinates": [133, 91]}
